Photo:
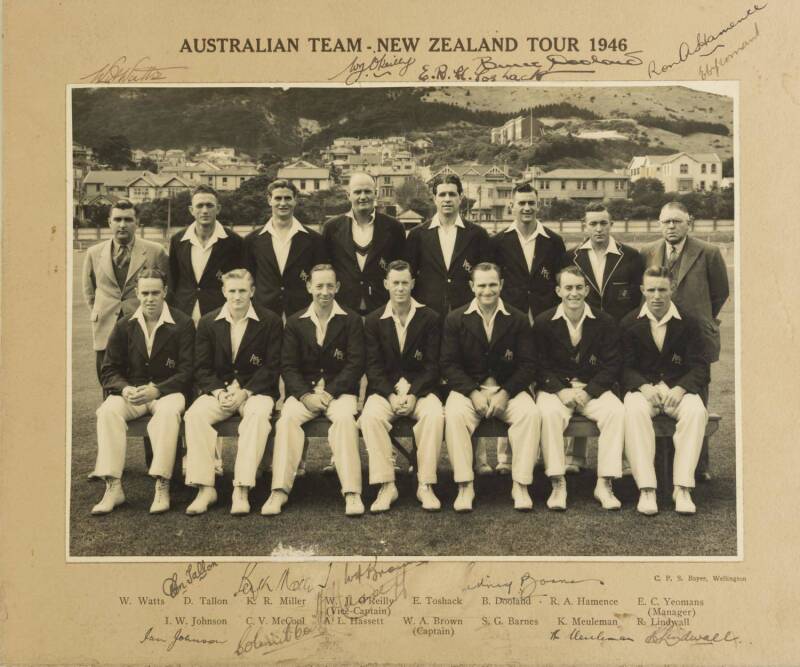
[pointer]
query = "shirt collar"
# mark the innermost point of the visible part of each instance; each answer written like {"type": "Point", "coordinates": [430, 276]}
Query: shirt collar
{"type": "Point", "coordinates": [475, 308]}
{"type": "Point", "coordinates": [225, 314]}
{"type": "Point", "coordinates": [387, 312]}
{"type": "Point", "coordinates": [165, 316]}
{"type": "Point", "coordinates": [352, 216]}
{"type": "Point", "coordinates": [435, 222]}
{"type": "Point", "coordinates": [671, 312]}
{"type": "Point", "coordinates": [678, 246]}
{"type": "Point", "coordinates": [129, 246]}
{"type": "Point", "coordinates": [191, 233]}
{"type": "Point", "coordinates": [587, 312]}
{"type": "Point", "coordinates": [296, 227]}
{"type": "Point", "coordinates": [337, 310]}
{"type": "Point", "coordinates": [612, 246]}
{"type": "Point", "coordinates": [539, 231]}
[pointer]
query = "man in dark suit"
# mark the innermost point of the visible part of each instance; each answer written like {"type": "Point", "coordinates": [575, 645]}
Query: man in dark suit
{"type": "Point", "coordinates": [665, 369]}
{"type": "Point", "coordinates": [403, 375]}
{"type": "Point", "coordinates": [579, 363]}
{"type": "Point", "coordinates": [443, 250]}
{"type": "Point", "coordinates": [322, 364]}
{"type": "Point", "coordinates": [361, 244]}
{"type": "Point", "coordinates": [281, 254]}
{"type": "Point", "coordinates": [613, 273]}
{"type": "Point", "coordinates": [147, 368]}
{"type": "Point", "coordinates": [237, 364]}
{"type": "Point", "coordinates": [488, 359]}
{"type": "Point", "coordinates": [110, 271]}
{"type": "Point", "coordinates": [199, 255]}
{"type": "Point", "coordinates": [530, 256]}
{"type": "Point", "coordinates": [701, 282]}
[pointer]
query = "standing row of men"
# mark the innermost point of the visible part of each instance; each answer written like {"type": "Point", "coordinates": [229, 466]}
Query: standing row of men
{"type": "Point", "coordinates": [361, 244]}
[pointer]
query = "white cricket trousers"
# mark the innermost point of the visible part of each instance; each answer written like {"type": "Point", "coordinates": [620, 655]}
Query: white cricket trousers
{"type": "Point", "coordinates": [201, 438]}
{"type": "Point", "coordinates": [640, 438]}
{"type": "Point", "coordinates": [342, 435]}
{"type": "Point", "coordinates": [460, 423]}
{"type": "Point", "coordinates": [162, 429]}
{"type": "Point", "coordinates": [609, 414]}
{"type": "Point", "coordinates": [376, 422]}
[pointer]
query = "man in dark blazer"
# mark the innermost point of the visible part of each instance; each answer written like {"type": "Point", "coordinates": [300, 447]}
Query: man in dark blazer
{"type": "Point", "coordinates": [361, 244]}
{"type": "Point", "coordinates": [665, 369]}
{"type": "Point", "coordinates": [403, 374]}
{"type": "Point", "coordinates": [322, 364]}
{"type": "Point", "coordinates": [237, 364]}
{"type": "Point", "coordinates": [488, 359]}
{"type": "Point", "coordinates": [110, 273]}
{"type": "Point", "coordinates": [530, 256]}
{"type": "Point", "coordinates": [613, 273]}
{"type": "Point", "coordinates": [579, 362]}
{"type": "Point", "coordinates": [443, 251]}
{"type": "Point", "coordinates": [147, 368]}
{"type": "Point", "coordinates": [281, 254]}
{"type": "Point", "coordinates": [701, 282]}
{"type": "Point", "coordinates": [199, 255]}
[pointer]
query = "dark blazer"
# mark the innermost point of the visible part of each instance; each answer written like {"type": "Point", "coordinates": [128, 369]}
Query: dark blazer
{"type": "Point", "coordinates": [418, 362]}
{"type": "Point", "coordinates": [597, 360]}
{"type": "Point", "coordinates": [339, 361]}
{"type": "Point", "coordinates": [183, 290]}
{"type": "Point", "coordinates": [701, 286]}
{"type": "Point", "coordinates": [169, 366]}
{"type": "Point", "coordinates": [681, 362]}
{"type": "Point", "coordinates": [467, 358]}
{"type": "Point", "coordinates": [436, 286]}
{"type": "Point", "coordinates": [388, 244]}
{"type": "Point", "coordinates": [257, 365]}
{"type": "Point", "coordinates": [622, 279]}
{"type": "Point", "coordinates": [283, 293]}
{"type": "Point", "coordinates": [525, 289]}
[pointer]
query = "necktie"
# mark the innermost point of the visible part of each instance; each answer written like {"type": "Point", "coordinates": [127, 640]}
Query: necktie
{"type": "Point", "coordinates": [672, 259]}
{"type": "Point", "coordinates": [122, 257]}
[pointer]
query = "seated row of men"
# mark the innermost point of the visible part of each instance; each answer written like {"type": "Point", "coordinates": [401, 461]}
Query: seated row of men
{"type": "Point", "coordinates": [492, 363]}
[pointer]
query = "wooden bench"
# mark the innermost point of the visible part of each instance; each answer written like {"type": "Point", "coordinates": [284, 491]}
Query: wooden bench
{"type": "Point", "coordinates": [579, 427]}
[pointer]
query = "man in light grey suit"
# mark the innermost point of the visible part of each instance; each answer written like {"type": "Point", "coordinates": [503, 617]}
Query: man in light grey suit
{"type": "Point", "coordinates": [110, 272]}
{"type": "Point", "coordinates": [700, 279]}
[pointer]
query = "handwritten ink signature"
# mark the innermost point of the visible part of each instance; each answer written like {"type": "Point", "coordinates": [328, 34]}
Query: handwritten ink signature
{"type": "Point", "coordinates": [672, 635]}
{"type": "Point", "coordinates": [526, 586]}
{"type": "Point", "coordinates": [254, 638]}
{"type": "Point", "coordinates": [686, 50]}
{"type": "Point", "coordinates": [194, 572]}
{"type": "Point", "coordinates": [118, 71]}
{"type": "Point", "coordinates": [577, 635]}
{"type": "Point", "coordinates": [250, 587]}
{"type": "Point", "coordinates": [378, 67]}
{"type": "Point", "coordinates": [706, 70]}
{"type": "Point", "coordinates": [180, 636]}
{"type": "Point", "coordinates": [487, 69]}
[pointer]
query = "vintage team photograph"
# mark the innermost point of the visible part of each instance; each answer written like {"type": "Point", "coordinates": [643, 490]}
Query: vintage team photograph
{"type": "Point", "coordinates": [454, 322]}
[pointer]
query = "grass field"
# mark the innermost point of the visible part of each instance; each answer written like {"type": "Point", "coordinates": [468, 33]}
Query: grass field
{"type": "Point", "coordinates": [313, 523]}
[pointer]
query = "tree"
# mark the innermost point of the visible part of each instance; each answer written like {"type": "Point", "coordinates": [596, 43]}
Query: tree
{"type": "Point", "coordinates": [413, 190]}
{"type": "Point", "coordinates": [115, 151]}
{"type": "Point", "coordinates": [727, 168]}
{"type": "Point", "coordinates": [317, 207]}
{"type": "Point", "coordinates": [146, 164]}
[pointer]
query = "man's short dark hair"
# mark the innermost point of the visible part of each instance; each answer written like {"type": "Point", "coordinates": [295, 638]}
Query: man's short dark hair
{"type": "Point", "coordinates": [680, 206]}
{"type": "Point", "coordinates": [238, 274]}
{"type": "Point", "coordinates": [596, 207]}
{"type": "Point", "coordinates": [152, 273]}
{"type": "Point", "coordinates": [658, 272]}
{"type": "Point", "coordinates": [573, 271]}
{"type": "Point", "coordinates": [486, 266]}
{"type": "Point", "coordinates": [320, 267]}
{"type": "Point", "coordinates": [398, 265]}
{"type": "Point", "coordinates": [124, 205]}
{"type": "Point", "coordinates": [204, 190]}
{"type": "Point", "coordinates": [282, 183]}
{"type": "Point", "coordinates": [524, 186]}
{"type": "Point", "coordinates": [447, 179]}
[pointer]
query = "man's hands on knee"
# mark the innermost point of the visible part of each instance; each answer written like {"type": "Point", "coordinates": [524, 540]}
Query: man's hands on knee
{"type": "Point", "coordinates": [498, 402]}
{"type": "Point", "coordinates": [313, 403]}
{"type": "Point", "coordinates": [652, 395]}
{"type": "Point", "coordinates": [673, 397]}
{"type": "Point", "coordinates": [233, 398]}
{"type": "Point", "coordinates": [141, 395]}
{"type": "Point", "coordinates": [480, 402]}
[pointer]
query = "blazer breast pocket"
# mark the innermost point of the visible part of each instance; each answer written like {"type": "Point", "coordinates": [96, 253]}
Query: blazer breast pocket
{"type": "Point", "coordinates": [621, 292]}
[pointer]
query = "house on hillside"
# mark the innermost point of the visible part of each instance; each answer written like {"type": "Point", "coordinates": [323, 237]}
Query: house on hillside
{"type": "Point", "coordinates": [679, 172]}
{"type": "Point", "coordinates": [193, 173]}
{"type": "Point", "coordinates": [409, 218]}
{"type": "Point", "coordinates": [149, 187]}
{"type": "Point", "coordinates": [111, 182]}
{"type": "Point", "coordinates": [387, 181]}
{"type": "Point", "coordinates": [521, 130]}
{"type": "Point", "coordinates": [225, 180]}
{"type": "Point", "coordinates": [585, 184]}
{"type": "Point", "coordinates": [307, 177]}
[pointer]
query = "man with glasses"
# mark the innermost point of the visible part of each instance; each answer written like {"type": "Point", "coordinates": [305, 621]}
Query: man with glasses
{"type": "Point", "coordinates": [700, 282]}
